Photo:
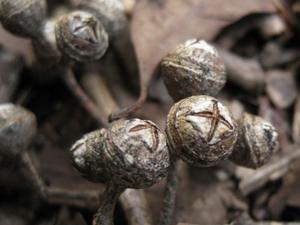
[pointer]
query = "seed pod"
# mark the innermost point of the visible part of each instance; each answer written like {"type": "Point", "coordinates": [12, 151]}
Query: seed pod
{"type": "Point", "coordinates": [23, 17]}
{"type": "Point", "coordinates": [193, 68]}
{"type": "Point", "coordinates": [17, 129]}
{"type": "Point", "coordinates": [201, 131]}
{"type": "Point", "coordinates": [110, 12]}
{"type": "Point", "coordinates": [131, 153]}
{"type": "Point", "coordinates": [81, 36]}
{"type": "Point", "coordinates": [45, 47]}
{"type": "Point", "coordinates": [11, 66]}
{"type": "Point", "coordinates": [257, 141]}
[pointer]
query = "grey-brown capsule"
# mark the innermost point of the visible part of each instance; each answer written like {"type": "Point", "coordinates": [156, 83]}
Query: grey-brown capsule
{"type": "Point", "coordinates": [81, 36]}
{"type": "Point", "coordinates": [131, 153]}
{"type": "Point", "coordinates": [193, 68]}
{"type": "Point", "coordinates": [11, 66]}
{"type": "Point", "coordinates": [201, 131]}
{"type": "Point", "coordinates": [88, 154]}
{"type": "Point", "coordinates": [23, 17]}
{"type": "Point", "coordinates": [257, 141]}
{"type": "Point", "coordinates": [18, 127]}
{"type": "Point", "coordinates": [45, 47]}
{"type": "Point", "coordinates": [111, 13]}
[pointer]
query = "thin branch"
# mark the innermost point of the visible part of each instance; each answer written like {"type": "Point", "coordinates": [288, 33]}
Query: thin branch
{"type": "Point", "coordinates": [54, 195]}
{"type": "Point", "coordinates": [96, 87]}
{"type": "Point", "coordinates": [33, 175]}
{"type": "Point", "coordinates": [128, 111]}
{"type": "Point", "coordinates": [135, 207]}
{"type": "Point", "coordinates": [80, 199]}
{"type": "Point", "coordinates": [109, 198]}
{"type": "Point", "coordinates": [88, 104]}
{"type": "Point", "coordinates": [169, 195]}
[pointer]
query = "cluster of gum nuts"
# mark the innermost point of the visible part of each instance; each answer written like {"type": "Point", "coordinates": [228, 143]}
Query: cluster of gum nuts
{"type": "Point", "coordinates": [200, 130]}
{"type": "Point", "coordinates": [135, 153]}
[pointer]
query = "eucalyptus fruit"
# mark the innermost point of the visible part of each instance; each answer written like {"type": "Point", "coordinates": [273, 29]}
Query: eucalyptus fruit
{"type": "Point", "coordinates": [201, 131]}
{"type": "Point", "coordinates": [76, 36]}
{"type": "Point", "coordinates": [18, 128]}
{"type": "Point", "coordinates": [81, 36]}
{"type": "Point", "coordinates": [193, 68]}
{"type": "Point", "coordinates": [257, 142]}
{"type": "Point", "coordinates": [11, 67]}
{"type": "Point", "coordinates": [23, 17]}
{"type": "Point", "coordinates": [129, 154]}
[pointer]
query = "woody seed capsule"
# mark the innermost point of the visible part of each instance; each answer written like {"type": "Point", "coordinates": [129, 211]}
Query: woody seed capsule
{"type": "Point", "coordinates": [257, 141]}
{"type": "Point", "coordinates": [201, 131]}
{"type": "Point", "coordinates": [18, 127]}
{"type": "Point", "coordinates": [81, 36]}
{"type": "Point", "coordinates": [193, 68]}
{"type": "Point", "coordinates": [131, 153]}
{"type": "Point", "coordinates": [23, 17]}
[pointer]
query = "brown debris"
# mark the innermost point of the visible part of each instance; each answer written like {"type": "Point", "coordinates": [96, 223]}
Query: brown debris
{"type": "Point", "coordinates": [281, 88]}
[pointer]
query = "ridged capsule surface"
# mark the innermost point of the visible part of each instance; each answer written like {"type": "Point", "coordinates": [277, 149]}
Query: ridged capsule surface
{"type": "Point", "coordinates": [23, 17]}
{"type": "Point", "coordinates": [201, 130]}
{"type": "Point", "coordinates": [81, 36]}
{"type": "Point", "coordinates": [18, 128]}
{"type": "Point", "coordinates": [131, 153]}
{"type": "Point", "coordinates": [257, 141]}
{"type": "Point", "coordinates": [193, 68]}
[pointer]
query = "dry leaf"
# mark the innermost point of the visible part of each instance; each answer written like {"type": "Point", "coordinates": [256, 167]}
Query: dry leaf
{"type": "Point", "coordinates": [157, 26]}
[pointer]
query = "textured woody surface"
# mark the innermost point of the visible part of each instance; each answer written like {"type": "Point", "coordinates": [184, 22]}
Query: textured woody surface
{"type": "Point", "coordinates": [10, 71]}
{"type": "Point", "coordinates": [193, 68]}
{"type": "Point", "coordinates": [17, 129]}
{"type": "Point", "coordinates": [81, 36]}
{"type": "Point", "coordinates": [132, 153]}
{"type": "Point", "coordinates": [257, 141]}
{"type": "Point", "coordinates": [201, 130]}
{"type": "Point", "coordinates": [23, 17]}
{"type": "Point", "coordinates": [88, 158]}
{"type": "Point", "coordinates": [110, 13]}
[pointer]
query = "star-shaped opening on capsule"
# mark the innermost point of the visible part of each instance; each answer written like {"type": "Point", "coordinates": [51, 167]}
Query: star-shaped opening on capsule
{"type": "Point", "coordinates": [87, 30]}
{"type": "Point", "coordinates": [215, 117]}
{"type": "Point", "coordinates": [154, 133]}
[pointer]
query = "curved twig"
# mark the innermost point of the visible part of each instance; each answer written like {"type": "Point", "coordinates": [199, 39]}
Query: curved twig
{"type": "Point", "coordinates": [105, 213]}
{"type": "Point", "coordinates": [126, 112]}
{"type": "Point", "coordinates": [88, 104]}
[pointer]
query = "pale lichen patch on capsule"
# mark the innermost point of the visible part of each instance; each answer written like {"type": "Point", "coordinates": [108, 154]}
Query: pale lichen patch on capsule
{"type": "Point", "coordinates": [5, 109]}
{"type": "Point", "coordinates": [78, 150]}
{"type": "Point", "coordinates": [201, 44]}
